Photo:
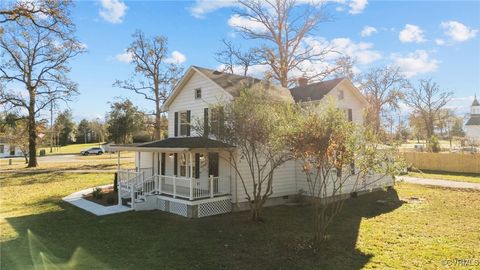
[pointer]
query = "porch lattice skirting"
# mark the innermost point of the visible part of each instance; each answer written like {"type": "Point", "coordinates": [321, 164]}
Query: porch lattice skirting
{"type": "Point", "coordinates": [214, 208]}
{"type": "Point", "coordinates": [190, 209]}
{"type": "Point", "coordinates": [178, 208]}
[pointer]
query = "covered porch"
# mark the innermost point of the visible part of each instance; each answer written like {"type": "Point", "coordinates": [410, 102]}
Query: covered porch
{"type": "Point", "coordinates": [186, 168]}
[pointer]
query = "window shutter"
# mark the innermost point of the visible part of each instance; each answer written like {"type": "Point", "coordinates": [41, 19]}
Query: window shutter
{"type": "Point", "coordinates": [197, 165]}
{"type": "Point", "coordinates": [206, 124]}
{"type": "Point", "coordinates": [176, 124]}
{"type": "Point", "coordinates": [175, 163]}
{"type": "Point", "coordinates": [163, 164]}
{"type": "Point", "coordinates": [188, 121]}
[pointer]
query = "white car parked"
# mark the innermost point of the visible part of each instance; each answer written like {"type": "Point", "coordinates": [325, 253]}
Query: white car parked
{"type": "Point", "coordinates": [93, 151]}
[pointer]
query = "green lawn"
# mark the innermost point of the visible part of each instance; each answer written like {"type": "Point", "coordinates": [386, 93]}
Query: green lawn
{"type": "Point", "coordinates": [69, 149]}
{"type": "Point", "coordinates": [38, 229]}
{"type": "Point", "coordinates": [101, 162]}
{"type": "Point", "coordinates": [473, 178]}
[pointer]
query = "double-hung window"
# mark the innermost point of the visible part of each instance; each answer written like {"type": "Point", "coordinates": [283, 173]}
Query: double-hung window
{"type": "Point", "coordinates": [184, 124]}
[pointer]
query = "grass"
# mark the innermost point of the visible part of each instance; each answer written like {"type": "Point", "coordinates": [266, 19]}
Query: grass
{"type": "Point", "coordinates": [460, 177]}
{"type": "Point", "coordinates": [101, 162]}
{"type": "Point", "coordinates": [68, 149]}
{"type": "Point", "coordinates": [38, 229]}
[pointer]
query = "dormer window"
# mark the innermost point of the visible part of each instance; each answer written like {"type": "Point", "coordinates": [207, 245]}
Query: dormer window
{"type": "Point", "coordinates": [340, 94]}
{"type": "Point", "coordinates": [198, 93]}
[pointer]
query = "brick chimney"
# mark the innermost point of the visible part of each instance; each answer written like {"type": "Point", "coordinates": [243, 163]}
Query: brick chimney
{"type": "Point", "coordinates": [302, 81]}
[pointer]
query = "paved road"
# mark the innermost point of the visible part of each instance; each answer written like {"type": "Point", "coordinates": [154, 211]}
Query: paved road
{"type": "Point", "coordinates": [440, 183]}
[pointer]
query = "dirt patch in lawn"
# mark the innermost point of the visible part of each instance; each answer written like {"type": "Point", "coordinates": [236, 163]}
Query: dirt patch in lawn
{"type": "Point", "coordinates": [104, 196]}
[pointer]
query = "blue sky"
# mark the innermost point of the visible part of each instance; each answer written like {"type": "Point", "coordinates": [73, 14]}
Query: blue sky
{"type": "Point", "coordinates": [430, 39]}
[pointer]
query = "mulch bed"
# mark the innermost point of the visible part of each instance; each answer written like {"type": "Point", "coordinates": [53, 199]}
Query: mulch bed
{"type": "Point", "coordinates": [107, 197]}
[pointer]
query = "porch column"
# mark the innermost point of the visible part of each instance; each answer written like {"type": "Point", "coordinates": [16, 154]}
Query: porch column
{"type": "Point", "coordinates": [191, 172]}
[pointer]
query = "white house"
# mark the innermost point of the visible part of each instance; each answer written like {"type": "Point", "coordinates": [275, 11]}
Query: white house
{"type": "Point", "coordinates": [187, 173]}
{"type": "Point", "coordinates": [7, 150]}
{"type": "Point", "coordinates": [472, 126]}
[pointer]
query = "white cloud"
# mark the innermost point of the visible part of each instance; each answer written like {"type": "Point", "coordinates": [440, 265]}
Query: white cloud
{"type": "Point", "coordinates": [368, 31]}
{"type": "Point", "coordinates": [414, 63]}
{"type": "Point", "coordinates": [202, 7]}
{"type": "Point", "coordinates": [125, 57]}
{"type": "Point", "coordinates": [113, 11]}
{"type": "Point", "coordinates": [176, 58]}
{"type": "Point", "coordinates": [357, 6]}
{"type": "Point", "coordinates": [237, 21]}
{"type": "Point", "coordinates": [439, 41]}
{"type": "Point", "coordinates": [458, 31]}
{"type": "Point", "coordinates": [362, 52]}
{"type": "Point", "coordinates": [411, 33]}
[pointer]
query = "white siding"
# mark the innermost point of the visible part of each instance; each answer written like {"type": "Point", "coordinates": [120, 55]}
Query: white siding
{"type": "Point", "coordinates": [185, 100]}
{"type": "Point", "coordinates": [473, 134]}
{"type": "Point", "coordinates": [351, 184]}
{"type": "Point", "coordinates": [350, 101]}
{"type": "Point", "coordinates": [283, 181]}
{"type": "Point", "coordinates": [6, 151]}
{"type": "Point", "coordinates": [144, 159]}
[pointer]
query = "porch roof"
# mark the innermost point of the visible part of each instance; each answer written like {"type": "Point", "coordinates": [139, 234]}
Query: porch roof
{"type": "Point", "coordinates": [176, 144]}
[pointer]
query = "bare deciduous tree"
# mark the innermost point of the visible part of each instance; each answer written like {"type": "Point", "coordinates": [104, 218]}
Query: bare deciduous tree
{"type": "Point", "coordinates": [155, 75]}
{"type": "Point", "coordinates": [254, 123]}
{"type": "Point", "coordinates": [384, 88]}
{"type": "Point", "coordinates": [282, 26]}
{"type": "Point", "coordinates": [36, 60]}
{"type": "Point", "coordinates": [338, 158]}
{"type": "Point", "coordinates": [232, 57]}
{"type": "Point", "coordinates": [52, 15]}
{"type": "Point", "coordinates": [345, 68]}
{"type": "Point", "coordinates": [427, 100]}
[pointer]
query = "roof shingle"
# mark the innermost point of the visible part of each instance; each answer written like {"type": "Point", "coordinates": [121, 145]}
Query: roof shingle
{"type": "Point", "coordinates": [474, 120]}
{"type": "Point", "coordinates": [314, 91]}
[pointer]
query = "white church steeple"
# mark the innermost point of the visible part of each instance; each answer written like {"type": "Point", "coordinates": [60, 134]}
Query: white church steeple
{"type": "Point", "coordinates": [475, 108]}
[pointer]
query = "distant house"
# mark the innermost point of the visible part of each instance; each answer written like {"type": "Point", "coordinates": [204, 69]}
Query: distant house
{"type": "Point", "coordinates": [7, 150]}
{"type": "Point", "coordinates": [187, 174]}
{"type": "Point", "coordinates": [472, 126]}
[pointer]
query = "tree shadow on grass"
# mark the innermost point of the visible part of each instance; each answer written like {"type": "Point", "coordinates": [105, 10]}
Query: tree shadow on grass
{"type": "Point", "coordinates": [74, 239]}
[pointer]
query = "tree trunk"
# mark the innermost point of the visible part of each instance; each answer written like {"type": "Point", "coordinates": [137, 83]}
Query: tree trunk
{"type": "Point", "coordinates": [158, 123]}
{"type": "Point", "coordinates": [32, 133]}
{"type": "Point", "coordinates": [156, 85]}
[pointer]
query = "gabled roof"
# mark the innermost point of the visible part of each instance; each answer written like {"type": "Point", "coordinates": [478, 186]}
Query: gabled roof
{"type": "Point", "coordinates": [230, 83]}
{"type": "Point", "coordinates": [473, 121]}
{"type": "Point", "coordinates": [314, 91]}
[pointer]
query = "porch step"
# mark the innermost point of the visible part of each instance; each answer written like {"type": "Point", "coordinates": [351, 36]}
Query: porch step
{"type": "Point", "coordinates": [129, 203]}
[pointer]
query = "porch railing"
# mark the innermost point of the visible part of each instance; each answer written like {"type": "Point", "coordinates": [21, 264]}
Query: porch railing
{"type": "Point", "coordinates": [135, 184]}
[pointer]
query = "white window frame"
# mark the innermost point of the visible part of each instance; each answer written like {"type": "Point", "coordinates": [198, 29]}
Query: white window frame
{"type": "Point", "coordinates": [196, 91]}
{"type": "Point", "coordinates": [180, 123]}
